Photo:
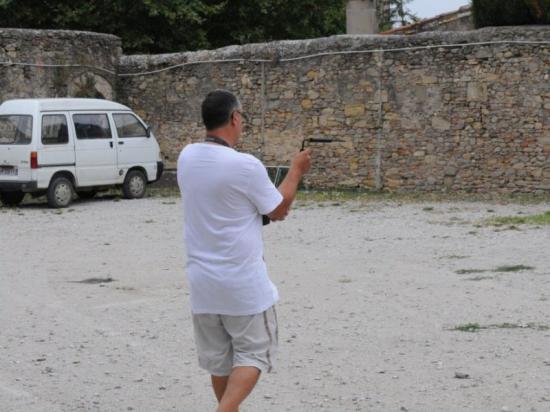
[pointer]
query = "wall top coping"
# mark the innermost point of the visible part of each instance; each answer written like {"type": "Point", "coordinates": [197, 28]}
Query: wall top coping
{"type": "Point", "coordinates": [60, 34]}
{"type": "Point", "coordinates": [285, 49]}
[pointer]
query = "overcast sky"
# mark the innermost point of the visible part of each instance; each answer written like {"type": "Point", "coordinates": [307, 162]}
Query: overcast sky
{"type": "Point", "coordinates": [431, 8]}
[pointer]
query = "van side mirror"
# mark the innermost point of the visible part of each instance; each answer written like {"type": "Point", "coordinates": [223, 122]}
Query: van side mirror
{"type": "Point", "coordinates": [148, 131]}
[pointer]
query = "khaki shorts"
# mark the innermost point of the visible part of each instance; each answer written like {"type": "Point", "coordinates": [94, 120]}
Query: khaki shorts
{"type": "Point", "coordinates": [224, 342]}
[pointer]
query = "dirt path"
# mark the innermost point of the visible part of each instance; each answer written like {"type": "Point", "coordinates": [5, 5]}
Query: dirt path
{"type": "Point", "coordinates": [94, 312]}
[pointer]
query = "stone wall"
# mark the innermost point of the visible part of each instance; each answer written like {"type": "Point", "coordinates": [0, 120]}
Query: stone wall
{"type": "Point", "coordinates": [82, 54]}
{"type": "Point", "coordinates": [431, 112]}
{"type": "Point", "coordinates": [418, 116]}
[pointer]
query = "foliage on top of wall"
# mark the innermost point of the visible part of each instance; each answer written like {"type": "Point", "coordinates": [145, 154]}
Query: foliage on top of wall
{"type": "Point", "coordinates": [147, 26]}
{"type": "Point", "coordinates": [510, 12]}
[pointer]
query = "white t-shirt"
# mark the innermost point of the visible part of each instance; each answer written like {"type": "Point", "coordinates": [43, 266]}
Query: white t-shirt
{"type": "Point", "coordinates": [224, 194]}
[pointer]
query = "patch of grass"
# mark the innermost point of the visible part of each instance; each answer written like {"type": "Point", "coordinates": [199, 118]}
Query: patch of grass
{"type": "Point", "coordinates": [512, 221]}
{"type": "Point", "coordinates": [469, 271]}
{"type": "Point", "coordinates": [344, 280]}
{"type": "Point", "coordinates": [505, 269]}
{"type": "Point", "coordinates": [419, 197]}
{"type": "Point", "coordinates": [513, 268]}
{"type": "Point", "coordinates": [478, 278]}
{"type": "Point", "coordinates": [163, 192]}
{"type": "Point", "coordinates": [364, 195]}
{"type": "Point", "coordinates": [476, 327]}
{"type": "Point", "coordinates": [506, 325]}
{"type": "Point", "coordinates": [468, 327]}
{"type": "Point", "coordinates": [428, 209]}
{"type": "Point", "coordinates": [455, 257]}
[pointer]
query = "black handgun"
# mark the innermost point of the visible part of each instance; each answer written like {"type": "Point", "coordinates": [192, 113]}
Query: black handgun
{"type": "Point", "coordinates": [317, 140]}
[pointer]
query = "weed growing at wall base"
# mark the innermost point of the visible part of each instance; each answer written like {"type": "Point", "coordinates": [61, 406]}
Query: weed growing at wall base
{"type": "Point", "coordinates": [540, 219]}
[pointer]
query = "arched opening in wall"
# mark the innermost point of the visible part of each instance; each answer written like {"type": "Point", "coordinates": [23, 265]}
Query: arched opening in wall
{"type": "Point", "coordinates": [90, 85]}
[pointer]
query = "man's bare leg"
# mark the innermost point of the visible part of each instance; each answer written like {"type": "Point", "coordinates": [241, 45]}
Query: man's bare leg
{"type": "Point", "coordinates": [219, 383]}
{"type": "Point", "coordinates": [239, 385]}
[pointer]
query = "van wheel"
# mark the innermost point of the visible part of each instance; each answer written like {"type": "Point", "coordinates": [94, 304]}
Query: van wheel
{"type": "Point", "coordinates": [60, 192]}
{"type": "Point", "coordinates": [134, 185]}
{"type": "Point", "coordinates": [11, 198]}
{"type": "Point", "coordinates": [86, 194]}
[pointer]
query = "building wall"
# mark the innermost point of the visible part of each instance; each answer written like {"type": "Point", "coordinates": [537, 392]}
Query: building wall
{"type": "Point", "coordinates": [361, 17]}
{"type": "Point", "coordinates": [459, 20]}
{"type": "Point", "coordinates": [417, 116]}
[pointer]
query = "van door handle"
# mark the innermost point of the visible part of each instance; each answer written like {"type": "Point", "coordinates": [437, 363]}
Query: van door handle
{"type": "Point", "coordinates": [120, 142]}
{"type": "Point", "coordinates": [111, 144]}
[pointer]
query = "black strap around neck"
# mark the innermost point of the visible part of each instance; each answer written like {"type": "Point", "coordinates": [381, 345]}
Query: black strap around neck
{"type": "Point", "coordinates": [216, 139]}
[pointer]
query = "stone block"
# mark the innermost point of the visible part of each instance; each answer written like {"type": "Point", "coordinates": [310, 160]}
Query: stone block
{"type": "Point", "coordinates": [312, 75]}
{"type": "Point", "coordinates": [354, 110]}
{"type": "Point", "coordinates": [476, 92]}
{"type": "Point", "coordinates": [428, 79]}
{"type": "Point", "coordinates": [392, 183]}
{"type": "Point", "coordinates": [440, 124]}
{"type": "Point", "coordinates": [312, 94]}
{"type": "Point", "coordinates": [451, 171]}
{"type": "Point", "coordinates": [307, 104]}
{"type": "Point", "coordinates": [288, 94]}
{"type": "Point", "coordinates": [448, 181]}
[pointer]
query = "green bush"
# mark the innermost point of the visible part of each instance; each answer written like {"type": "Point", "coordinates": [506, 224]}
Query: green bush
{"type": "Point", "coordinates": [510, 12]}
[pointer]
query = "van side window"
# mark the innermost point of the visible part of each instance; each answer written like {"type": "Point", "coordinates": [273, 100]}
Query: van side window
{"type": "Point", "coordinates": [15, 129]}
{"type": "Point", "coordinates": [128, 125]}
{"type": "Point", "coordinates": [54, 129]}
{"type": "Point", "coordinates": [92, 126]}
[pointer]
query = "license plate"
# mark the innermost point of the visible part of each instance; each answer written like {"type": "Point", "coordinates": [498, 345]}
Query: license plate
{"type": "Point", "coordinates": [8, 171]}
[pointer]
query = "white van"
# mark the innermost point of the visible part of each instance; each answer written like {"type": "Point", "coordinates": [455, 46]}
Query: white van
{"type": "Point", "coordinates": [58, 147]}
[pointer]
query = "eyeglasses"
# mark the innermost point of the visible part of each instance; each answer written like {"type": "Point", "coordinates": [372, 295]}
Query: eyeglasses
{"type": "Point", "coordinates": [244, 116]}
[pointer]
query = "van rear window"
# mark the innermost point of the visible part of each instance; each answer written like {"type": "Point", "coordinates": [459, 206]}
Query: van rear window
{"type": "Point", "coordinates": [15, 129]}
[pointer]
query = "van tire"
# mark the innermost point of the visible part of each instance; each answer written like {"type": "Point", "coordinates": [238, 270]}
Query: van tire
{"type": "Point", "coordinates": [134, 185]}
{"type": "Point", "coordinates": [60, 192]}
{"type": "Point", "coordinates": [12, 198]}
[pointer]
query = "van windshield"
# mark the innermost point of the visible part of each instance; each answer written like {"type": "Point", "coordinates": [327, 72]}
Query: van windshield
{"type": "Point", "coordinates": [15, 129]}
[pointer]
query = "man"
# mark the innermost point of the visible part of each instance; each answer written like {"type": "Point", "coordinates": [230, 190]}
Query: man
{"type": "Point", "coordinates": [225, 193]}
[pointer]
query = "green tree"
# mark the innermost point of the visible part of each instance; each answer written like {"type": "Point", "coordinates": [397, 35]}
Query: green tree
{"type": "Point", "coordinates": [394, 12]}
{"type": "Point", "coordinates": [510, 12]}
{"type": "Point", "coordinates": [247, 21]}
{"type": "Point", "coordinates": [156, 26]}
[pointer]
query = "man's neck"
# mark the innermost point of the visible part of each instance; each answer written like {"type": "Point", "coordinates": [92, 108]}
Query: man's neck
{"type": "Point", "coordinates": [221, 134]}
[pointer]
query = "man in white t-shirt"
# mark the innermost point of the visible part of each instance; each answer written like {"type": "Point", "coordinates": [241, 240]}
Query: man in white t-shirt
{"type": "Point", "coordinates": [224, 194]}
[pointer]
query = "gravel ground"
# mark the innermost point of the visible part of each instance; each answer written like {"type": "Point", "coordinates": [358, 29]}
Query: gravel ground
{"type": "Point", "coordinates": [370, 295]}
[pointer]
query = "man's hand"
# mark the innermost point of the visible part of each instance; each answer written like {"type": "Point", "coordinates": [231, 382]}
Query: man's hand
{"type": "Point", "coordinates": [302, 161]}
{"type": "Point", "coordinates": [299, 166]}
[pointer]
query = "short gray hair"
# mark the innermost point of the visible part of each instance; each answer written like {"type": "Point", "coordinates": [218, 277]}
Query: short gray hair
{"type": "Point", "coordinates": [217, 108]}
